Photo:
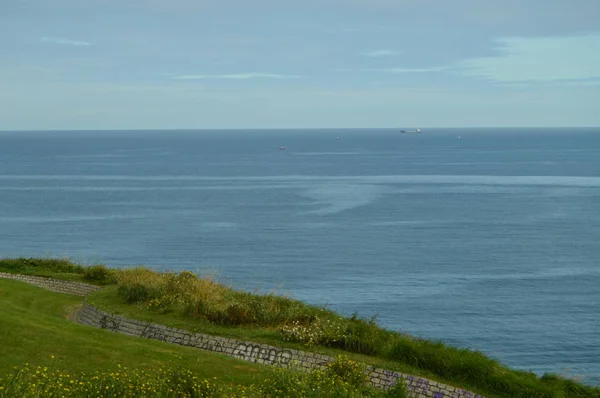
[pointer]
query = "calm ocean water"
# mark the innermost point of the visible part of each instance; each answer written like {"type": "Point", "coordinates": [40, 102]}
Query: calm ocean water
{"type": "Point", "coordinates": [488, 241]}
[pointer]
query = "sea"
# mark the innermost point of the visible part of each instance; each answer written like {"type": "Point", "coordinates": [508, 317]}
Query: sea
{"type": "Point", "coordinates": [481, 238]}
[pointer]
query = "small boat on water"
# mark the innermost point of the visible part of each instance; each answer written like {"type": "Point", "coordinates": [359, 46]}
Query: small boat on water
{"type": "Point", "coordinates": [417, 131]}
{"type": "Point", "coordinates": [282, 148]}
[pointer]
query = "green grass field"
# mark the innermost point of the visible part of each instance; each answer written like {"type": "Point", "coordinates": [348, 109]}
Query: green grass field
{"type": "Point", "coordinates": [35, 329]}
{"type": "Point", "coordinates": [43, 353]}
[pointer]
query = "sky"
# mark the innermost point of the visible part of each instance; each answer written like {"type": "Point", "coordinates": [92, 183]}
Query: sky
{"type": "Point", "coordinates": [229, 64]}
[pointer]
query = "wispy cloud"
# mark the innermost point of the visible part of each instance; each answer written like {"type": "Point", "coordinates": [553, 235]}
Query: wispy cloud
{"type": "Point", "coordinates": [237, 76]}
{"type": "Point", "coordinates": [411, 70]}
{"type": "Point", "coordinates": [66, 42]}
{"type": "Point", "coordinates": [544, 59]}
{"type": "Point", "coordinates": [379, 53]}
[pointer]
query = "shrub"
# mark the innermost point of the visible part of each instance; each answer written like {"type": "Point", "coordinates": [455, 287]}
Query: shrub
{"type": "Point", "coordinates": [41, 264]}
{"type": "Point", "coordinates": [449, 362]}
{"type": "Point", "coordinates": [460, 365]}
{"type": "Point", "coordinates": [353, 335]}
{"type": "Point", "coordinates": [99, 274]}
{"type": "Point", "coordinates": [364, 337]}
{"type": "Point", "coordinates": [321, 331]}
{"type": "Point", "coordinates": [348, 371]}
{"type": "Point", "coordinates": [343, 378]}
{"type": "Point", "coordinates": [468, 366]}
{"type": "Point", "coordinates": [203, 298]}
{"type": "Point", "coordinates": [398, 390]}
{"type": "Point", "coordinates": [139, 285]}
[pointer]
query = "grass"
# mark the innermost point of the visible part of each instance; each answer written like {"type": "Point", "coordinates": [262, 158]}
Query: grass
{"type": "Point", "coordinates": [341, 379]}
{"type": "Point", "coordinates": [34, 329]}
{"type": "Point", "coordinates": [108, 300]}
{"type": "Point", "coordinates": [63, 269]}
{"type": "Point", "coordinates": [202, 305]}
{"type": "Point", "coordinates": [44, 355]}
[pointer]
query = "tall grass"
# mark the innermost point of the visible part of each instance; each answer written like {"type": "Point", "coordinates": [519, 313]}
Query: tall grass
{"type": "Point", "coordinates": [55, 265]}
{"type": "Point", "coordinates": [100, 275]}
{"type": "Point", "coordinates": [97, 274]}
{"type": "Point", "coordinates": [185, 293]}
{"type": "Point", "coordinates": [462, 366]}
{"type": "Point", "coordinates": [203, 298]}
{"type": "Point", "coordinates": [342, 378]}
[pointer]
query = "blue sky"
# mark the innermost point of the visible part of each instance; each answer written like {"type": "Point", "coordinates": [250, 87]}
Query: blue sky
{"type": "Point", "coordinates": [138, 64]}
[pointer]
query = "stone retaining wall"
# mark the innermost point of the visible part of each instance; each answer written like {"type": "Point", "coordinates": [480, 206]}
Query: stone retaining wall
{"type": "Point", "coordinates": [260, 353]}
{"type": "Point", "coordinates": [69, 287]}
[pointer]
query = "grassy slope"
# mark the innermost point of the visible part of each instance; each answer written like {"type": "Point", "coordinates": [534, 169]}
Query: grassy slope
{"type": "Point", "coordinates": [431, 354]}
{"type": "Point", "coordinates": [34, 327]}
{"type": "Point", "coordinates": [107, 300]}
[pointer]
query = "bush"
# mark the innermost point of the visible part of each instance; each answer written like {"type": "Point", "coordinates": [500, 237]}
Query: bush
{"type": "Point", "coordinates": [139, 285]}
{"type": "Point", "coordinates": [341, 378]}
{"type": "Point", "coordinates": [468, 366]}
{"type": "Point", "coordinates": [398, 390]}
{"type": "Point", "coordinates": [321, 331]}
{"type": "Point", "coordinates": [204, 298]}
{"type": "Point", "coordinates": [138, 292]}
{"type": "Point", "coordinates": [353, 335]}
{"type": "Point", "coordinates": [459, 365]}
{"type": "Point", "coordinates": [348, 371]}
{"type": "Point", "coordinates": [364, 337]}
{"type": "Point", "coordinates": [448, 362]}
{"type": "Point", "coordinates": [41, 264]}
{"type": "Point", "coordinates": [99, 274]}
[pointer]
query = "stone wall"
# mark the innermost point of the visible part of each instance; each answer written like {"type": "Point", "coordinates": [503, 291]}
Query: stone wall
{"type": "Point", "coordinates": [69, 287]}
{"type": "Point", "coordinates": [260, 353]}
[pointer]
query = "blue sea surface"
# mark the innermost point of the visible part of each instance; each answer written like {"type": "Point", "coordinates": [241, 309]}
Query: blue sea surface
{"type": "Point", "coordinates": [482, 238]}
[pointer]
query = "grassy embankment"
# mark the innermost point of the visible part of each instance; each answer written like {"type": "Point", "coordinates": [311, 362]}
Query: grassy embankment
{"type": "Point", "coordinates": [202, 305]}
{"type": "Point", "coordinates": [42, 354]}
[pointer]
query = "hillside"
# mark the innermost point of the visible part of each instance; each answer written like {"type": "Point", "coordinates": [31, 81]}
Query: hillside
{"type": "Point", "coordinates": [202, 305]}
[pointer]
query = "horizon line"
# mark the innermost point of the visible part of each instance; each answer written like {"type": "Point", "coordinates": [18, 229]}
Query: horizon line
{"type": "Point", "coordinates": [206, 129]}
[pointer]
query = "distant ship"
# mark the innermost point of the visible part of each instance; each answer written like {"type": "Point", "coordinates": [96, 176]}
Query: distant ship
{"type": "Point", "coordinates": [417, 131]}
{"type": "Point", "coordinates": [282, 148]}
